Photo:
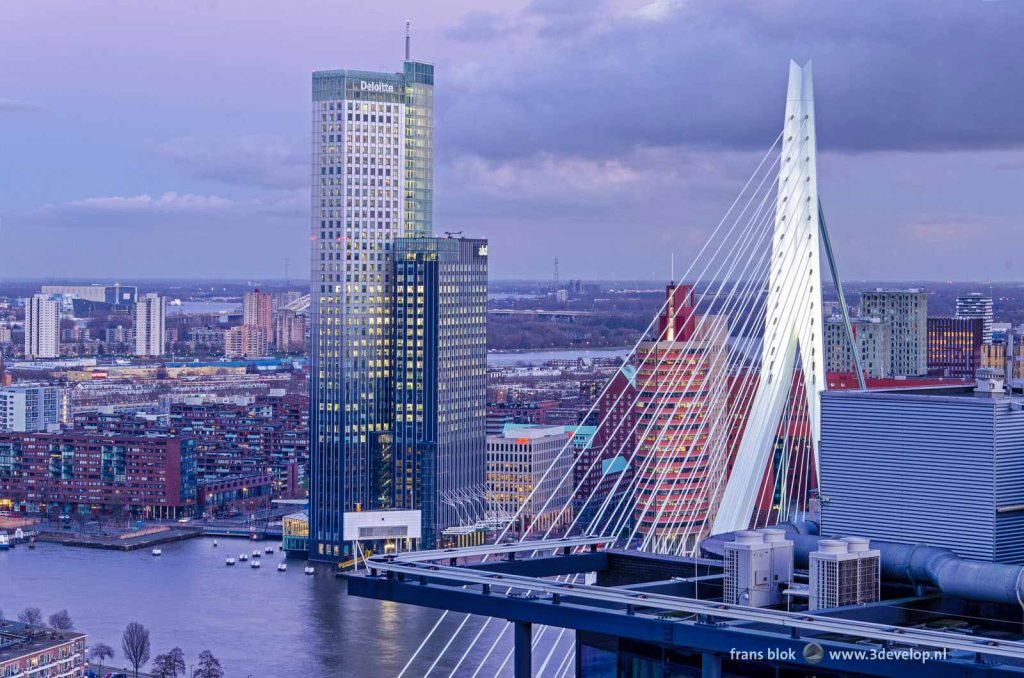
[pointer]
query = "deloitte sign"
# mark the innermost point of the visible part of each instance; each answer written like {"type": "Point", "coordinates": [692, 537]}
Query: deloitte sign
{"type": "Point", "coordinates": [382, 87]}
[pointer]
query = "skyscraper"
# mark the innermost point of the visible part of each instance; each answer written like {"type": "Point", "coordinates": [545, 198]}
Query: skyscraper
{"type": "Point", "coordinates": [42, 327]}
{"type": "Point", "coordinates": [977, 305]}
{"type": "Point", "coordinates": [150, 322]}
{"type": "Point", "coordinates": [438, 461]}
{"type": "Point", "coordinates": [372, 183]}
{"type": "Point", "coordinates": [874, 341]}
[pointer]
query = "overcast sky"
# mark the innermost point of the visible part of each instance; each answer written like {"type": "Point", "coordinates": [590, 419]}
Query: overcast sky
{"type": "Point", "coordinates": [171, 139]}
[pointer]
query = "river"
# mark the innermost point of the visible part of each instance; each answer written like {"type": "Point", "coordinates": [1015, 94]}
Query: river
{"type": "Point", "coordinates": [257, 622]}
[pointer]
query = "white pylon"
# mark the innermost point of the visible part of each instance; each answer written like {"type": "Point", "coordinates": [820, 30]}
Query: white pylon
{"type": "Point", "coordinates": [793, 311]}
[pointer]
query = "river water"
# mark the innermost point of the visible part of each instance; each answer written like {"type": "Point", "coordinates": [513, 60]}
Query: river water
{"type": "Point", "coordinates": [257, 622]}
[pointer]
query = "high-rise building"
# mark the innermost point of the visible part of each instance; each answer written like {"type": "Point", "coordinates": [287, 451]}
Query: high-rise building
{"type": "Point", "coordinates": [289, 331]}
{"type": "Point", "coordinates": [245, 341]}
{"type": "Point", "coordinates": [954, 346]}
{"type": "Point", "coordinates": [977, 305]}
{"type": "Point", "coordinates": [372, 183]}
{"type": "Point", "coordinates": [33, 407]}
{"type": "Point", "coordinates": [683, 391]}
{"type": "Point", "coordinates": [150, 325]}
{"type": "Point", "coordinates": [257, 311]}
{"type": "Point", "coordinates": [906, 312]}
{"type": "Point", "coordinates": [42, 327]}
{"type": "Point", "coordinates": [438, 458]}
{"type": "Point", "coordinates": [874, 340]}
{"type": "Point", "coordinates": [525, 467]}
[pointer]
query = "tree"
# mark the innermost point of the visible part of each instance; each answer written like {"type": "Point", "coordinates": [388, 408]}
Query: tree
{"type": "Point", "coordinates": [61, 621]}
{"type": "Point", "coordinates": [135, 645]}
{"type": "Point", "coordinates": [101, 651]}
{"type": "Point", "coordinates": [31, 615]}
{"type": "Point", "coordinates": [209, 666]}
{"type": "Point", "coordinates": [169, 665]}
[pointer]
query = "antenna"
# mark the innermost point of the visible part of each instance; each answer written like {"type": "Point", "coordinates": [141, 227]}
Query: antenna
{"type": "Point", "coordinates": [407, 50]}
{"type": "Point", "coordinates": [672, 269]}
{"type": "Point", "coordinates": [556, 270]}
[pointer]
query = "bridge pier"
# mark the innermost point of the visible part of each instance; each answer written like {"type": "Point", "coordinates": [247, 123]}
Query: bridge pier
{"type": "Point", "coordinates": [523, 662]}
{"type": "Point", "coordinates": [710, 665]}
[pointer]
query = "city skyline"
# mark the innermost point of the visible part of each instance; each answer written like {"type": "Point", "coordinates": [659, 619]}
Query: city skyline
{"type": "Point", "coordinates": [537, 131]}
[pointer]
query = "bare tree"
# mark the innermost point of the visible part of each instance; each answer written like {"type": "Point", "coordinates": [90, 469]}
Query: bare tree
{"type": "Point", "coordinates": [101, 651]}
{"type": "Point", "coordinates": [61, 621]}
{"type": "Point", "coordinates": [209, 666]}
{"type": "Point", "coordinates": [135, 645]}
{"type": "Point", "coordinates": [169, 665]}
{"type": "Point", "coordinates": [31, 615]}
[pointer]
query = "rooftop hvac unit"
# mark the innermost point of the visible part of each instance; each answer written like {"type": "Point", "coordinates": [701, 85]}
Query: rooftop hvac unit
{"type": "Point", "coordinates": [844, 572]}
{"type": "Point", "coordinates": [758, 565]}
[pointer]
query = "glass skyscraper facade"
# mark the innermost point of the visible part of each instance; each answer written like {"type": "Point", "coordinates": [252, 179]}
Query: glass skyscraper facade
{"type": "Point", "coordinates": [438, 462]}
{"type": "Point", "coordinates": [372, 182]}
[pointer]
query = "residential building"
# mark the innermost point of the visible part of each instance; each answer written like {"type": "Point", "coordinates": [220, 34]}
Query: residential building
{"type": "Point", "coordinates": [372, 183]}
{"type": "Point", "coordinates": [438, 454]}
{"type": "Point", "coordinates": [42, 327]}
{"type": "Point", "coordinates": [257, 311]}
{"type": "Point", "coordinates": [682, 388]}
{"type": "Point", "coordinates": [874, 341]}
{"type": "Point", "coordinates": [150, 325]}
{"type": "Point", "coordinates": [977, 305]}
{"type": "Point", "coordinates": [906, 312]}
{"type": "Point", "coordinates": [290, 331]}
{"type": "Point", "coordinates": [955, 346]}
{"type": "Point", "coordinates": [149, 476]}
{"type": "Point", "coordinates": [245, 341]}
{"type": "Point", "coordinates": [36, 651]}
{"type": "Point", "coordinates": [34, 407]}
{"type": "Point", "coordinates": [525, 470]}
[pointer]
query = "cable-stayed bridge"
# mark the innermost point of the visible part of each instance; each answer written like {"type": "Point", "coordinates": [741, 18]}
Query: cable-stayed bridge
{"type": "Point", "coordinates": [722, 419]}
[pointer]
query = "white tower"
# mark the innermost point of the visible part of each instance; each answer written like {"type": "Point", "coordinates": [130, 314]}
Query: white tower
{"type": "Point", "coordinates": [150, 321]}
{"type": "Point", "coordinates": [793, 311]}
{"type": "Point", "coordinates": [42, 327]}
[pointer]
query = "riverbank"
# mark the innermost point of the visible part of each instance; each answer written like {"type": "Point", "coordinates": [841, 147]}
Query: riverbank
{"type": "Point", "coordinates": [124, 541]}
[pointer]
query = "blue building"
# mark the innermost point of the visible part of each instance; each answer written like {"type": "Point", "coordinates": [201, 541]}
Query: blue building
{"type": "Point", "coordinates": [440, 378]}
{"type": "Point", "coordinates": [941, 465]}
{"type": "Point", "coordinates": [372, 182]}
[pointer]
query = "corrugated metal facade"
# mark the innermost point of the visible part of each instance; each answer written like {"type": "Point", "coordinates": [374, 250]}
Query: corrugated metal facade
{"type": "Point", "coordinates": [925, 468]}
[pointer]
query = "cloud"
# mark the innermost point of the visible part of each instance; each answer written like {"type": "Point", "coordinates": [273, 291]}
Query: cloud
{"type": "Point", "coordinates": [267, 162]}
{"type": "Point", "coordinates": [15, 106]}
{"type": "Point", "coordinates": [919, 76]}
{"type": "Point", "coordinates": [478, 26]}
{"type": "Point", "coordinates": [168, 202]}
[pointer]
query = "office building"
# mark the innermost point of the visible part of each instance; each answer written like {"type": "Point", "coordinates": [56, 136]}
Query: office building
{"type": "Point", "coordinates": [954, 346]}
{"type": "Point", "coordinates": [245, 341]}
{"type": "Point", "coordinates": [42, 327]}
{"type": "Point", "coordinates": [150, 325]}
{"type": "Point", "coordinates": [439, 364]}
{"type": "Point", "coordinates": [873, 339]}
{"type": "Point", "coordinates": [977, 305]}
{"type": "Point", "coordinates": [372, 183]}
{"type": "Point", "coordinates": [525, 467]}
{"type": "Point", "coordinates": [893, 462]}
{"type": "Point", "coordinates": [906, 312]}
{"type": "Point", "coordinates": [257, 311]}
{"type": "Point", "coordinates": [33, 408]}
{"type": "Point", "coordinates": [115, 295]}
{"type": "Point", "coordinates": [682, 388]}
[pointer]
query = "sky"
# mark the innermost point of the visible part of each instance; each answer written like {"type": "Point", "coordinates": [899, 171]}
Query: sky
{"type": "Point", "coordinates": [172, 139]}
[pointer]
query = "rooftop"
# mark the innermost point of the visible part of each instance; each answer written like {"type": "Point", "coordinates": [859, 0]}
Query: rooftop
{"type": "Point", "coordinates": [18, 639]}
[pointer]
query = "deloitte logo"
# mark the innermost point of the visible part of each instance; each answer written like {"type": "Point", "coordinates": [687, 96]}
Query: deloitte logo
{"type": "Point", "coordinates": [813, 653]}
{"type": "Point", "coordinates": [383, 87]}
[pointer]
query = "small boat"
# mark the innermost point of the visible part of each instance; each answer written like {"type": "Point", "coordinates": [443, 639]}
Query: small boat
{"type": "Point", "coordinates": [268, 550]}
{"type": "Point", "coordinates": [256, 553]}
{"type": "Point", "coordinates": [214, 543]}
{"type": "Point", "coordinates": [310, 569]}
{"type": "Point", "coordinates": [254, 564]}
{"type": "Point", "coordinates": [5, 542]}
{"type": "Point", "coordinates": [243, 557]}
{"type": "Point", "coordinates": [230, 561]}
{"type": "Point", "coordinates": [157, 552]}
{"type": "Point", "coordinates": [31, 542]}
{"type": "Point", "coordinates": [282, 567]}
